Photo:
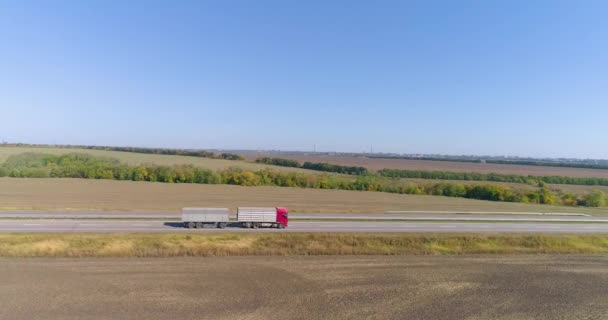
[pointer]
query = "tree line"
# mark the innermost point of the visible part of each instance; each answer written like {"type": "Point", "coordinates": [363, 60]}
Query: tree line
{"type": "Point", "coordinates": [317, 166]}
{"type": "Point", "coordinates": [74, 165]}
{"type": "Point", "coordinates": [582, 165]}
{"type": "Point", "coordinates": [496, 177]}
{"type": "Point", "coordinates": [565, 163]}
{"type": "Point", "coordinates": [438, 175]}
{"type": "Point", "coordinates": [279, 162]}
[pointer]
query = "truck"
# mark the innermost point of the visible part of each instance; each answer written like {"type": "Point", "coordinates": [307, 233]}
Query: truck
{"type": "Point", "coordinates": [247, 217]}
{"type": "Point", "coordinates": [250, 217]}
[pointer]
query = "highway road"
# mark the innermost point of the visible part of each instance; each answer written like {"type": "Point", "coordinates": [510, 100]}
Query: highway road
{"type": "Point", "coordinates": [411, 216]}
{"type": "Point", "coordinates": [70, 225]}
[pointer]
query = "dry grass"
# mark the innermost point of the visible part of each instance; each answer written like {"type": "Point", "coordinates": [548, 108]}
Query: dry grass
{"type": "Point", "coordinates": [139, 158]}
{"type": "Point", "coordinates": [129, 196]}
{"type": "Point", "coordinates": [123, 245]}
{"type": "Point", "coordinates": [377, 164]}
{"type": "Point", "coordinates": [579, 190]}
{"type": "Point", "coordinates": [289, 244]}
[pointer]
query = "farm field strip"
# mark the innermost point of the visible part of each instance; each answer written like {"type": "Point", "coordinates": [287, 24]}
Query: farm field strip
{"type": "Point", "coordinates": [370, 163]}
{"type": "Point", "coordinates": [428, 165]}
{"type": "Point", "coordinates": [74, 195]}
{"type": "Point", "coordinates": [219, 164]}
{"type": "Point", "coordinates": [321, 287]}
{"type": "Point", "coordinates": [141, 158]}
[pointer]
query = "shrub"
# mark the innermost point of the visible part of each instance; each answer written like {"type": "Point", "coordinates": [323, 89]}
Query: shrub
{"type": "Point", "coordinates": [595, 199]}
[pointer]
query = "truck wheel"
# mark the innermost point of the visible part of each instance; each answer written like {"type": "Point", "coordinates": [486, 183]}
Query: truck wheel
{"type": "Point", "coordinates": [280, 226]}
{"type": "Point", "coordinates": [199, 225]}
{"type": "Point", "coordinates": [190, 225]}
{"type": "Point", "coordinates": [255, 225]}
{"type": "Point", "coordinates": [246, 225]}
{"type": "Point", "coordinates": [221, 225]}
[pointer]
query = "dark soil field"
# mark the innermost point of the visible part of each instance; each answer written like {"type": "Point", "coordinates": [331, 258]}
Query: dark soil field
{"type": "Point", "coordinates": [426, 165]}
{"type": "Point", "coordinates": [370, 287]}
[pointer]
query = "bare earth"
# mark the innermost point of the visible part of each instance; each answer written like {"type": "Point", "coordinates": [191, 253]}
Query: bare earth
{"type": "Point", "coordinates": [374, 287]}
{"type": "Point", "coordinates": [129, 196]}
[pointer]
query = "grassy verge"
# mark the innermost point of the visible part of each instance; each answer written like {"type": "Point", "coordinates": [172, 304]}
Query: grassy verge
{"type": "Point", "coordinates": [169, 245]}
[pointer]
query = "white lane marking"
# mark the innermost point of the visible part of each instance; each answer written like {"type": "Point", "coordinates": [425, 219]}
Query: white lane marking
{"type": "Point", "coordinates": [32, 224]}
{"type": "Point", "coordinates": [90, 224]}
{"type": "Point", "coordinates": [140, 225]}
{"type": "Point", "coordinates": [447, 226]}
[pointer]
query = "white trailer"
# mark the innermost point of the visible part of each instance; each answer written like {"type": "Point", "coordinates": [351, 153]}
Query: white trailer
{"type": "Point", "coordinates": [205, 217]}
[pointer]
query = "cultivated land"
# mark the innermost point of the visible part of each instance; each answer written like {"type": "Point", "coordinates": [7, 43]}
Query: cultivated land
{"type": "Point", "coordinates": [426, 165]}
{"type": "Point", "coordinates": [141, 158]}
{"type": "Point", "coordinates": [225, 288]}
{"type": "Point", "coordinates": [301, 203]}
{"type": "Point", "coordinates": [219, 164]}
{"type": "Point", "coordinates": [370, 163]}
{"type": "Point", "coordinates": [129, 196]}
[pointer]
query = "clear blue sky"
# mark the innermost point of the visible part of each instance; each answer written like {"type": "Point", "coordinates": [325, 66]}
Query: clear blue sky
{"type": "Point", "coordinates": [523, 78]}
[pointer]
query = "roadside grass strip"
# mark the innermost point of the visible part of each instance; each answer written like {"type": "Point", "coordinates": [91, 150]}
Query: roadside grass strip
{"type": "Point", "coordinates": [294, 244]}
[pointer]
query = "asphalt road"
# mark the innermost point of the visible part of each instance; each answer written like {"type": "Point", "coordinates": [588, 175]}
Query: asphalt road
{"type": "Point", "coordinates": [301, 226]}
{"type": "Point", "coordinates": [411, 216]}
{"type": "Point", "coordinates": [546, 287]}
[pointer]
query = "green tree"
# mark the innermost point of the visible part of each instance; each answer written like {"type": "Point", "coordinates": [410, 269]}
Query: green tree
{"type": "Point", "coordinates": [140, 173]}
{"type": "Point", "coordinates": [546, 196]}
{"type": "Point", "coordinates": [569, 199]}
{"type": "Point", "coordinates": [596, 199]}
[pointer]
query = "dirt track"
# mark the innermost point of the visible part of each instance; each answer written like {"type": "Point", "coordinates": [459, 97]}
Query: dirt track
{"type": "Point", "coordinates": [490, 287]}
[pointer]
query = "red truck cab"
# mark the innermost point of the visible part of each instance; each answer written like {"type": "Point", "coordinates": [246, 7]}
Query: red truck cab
{"type": "Point", "coordinates": [283, 216]}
